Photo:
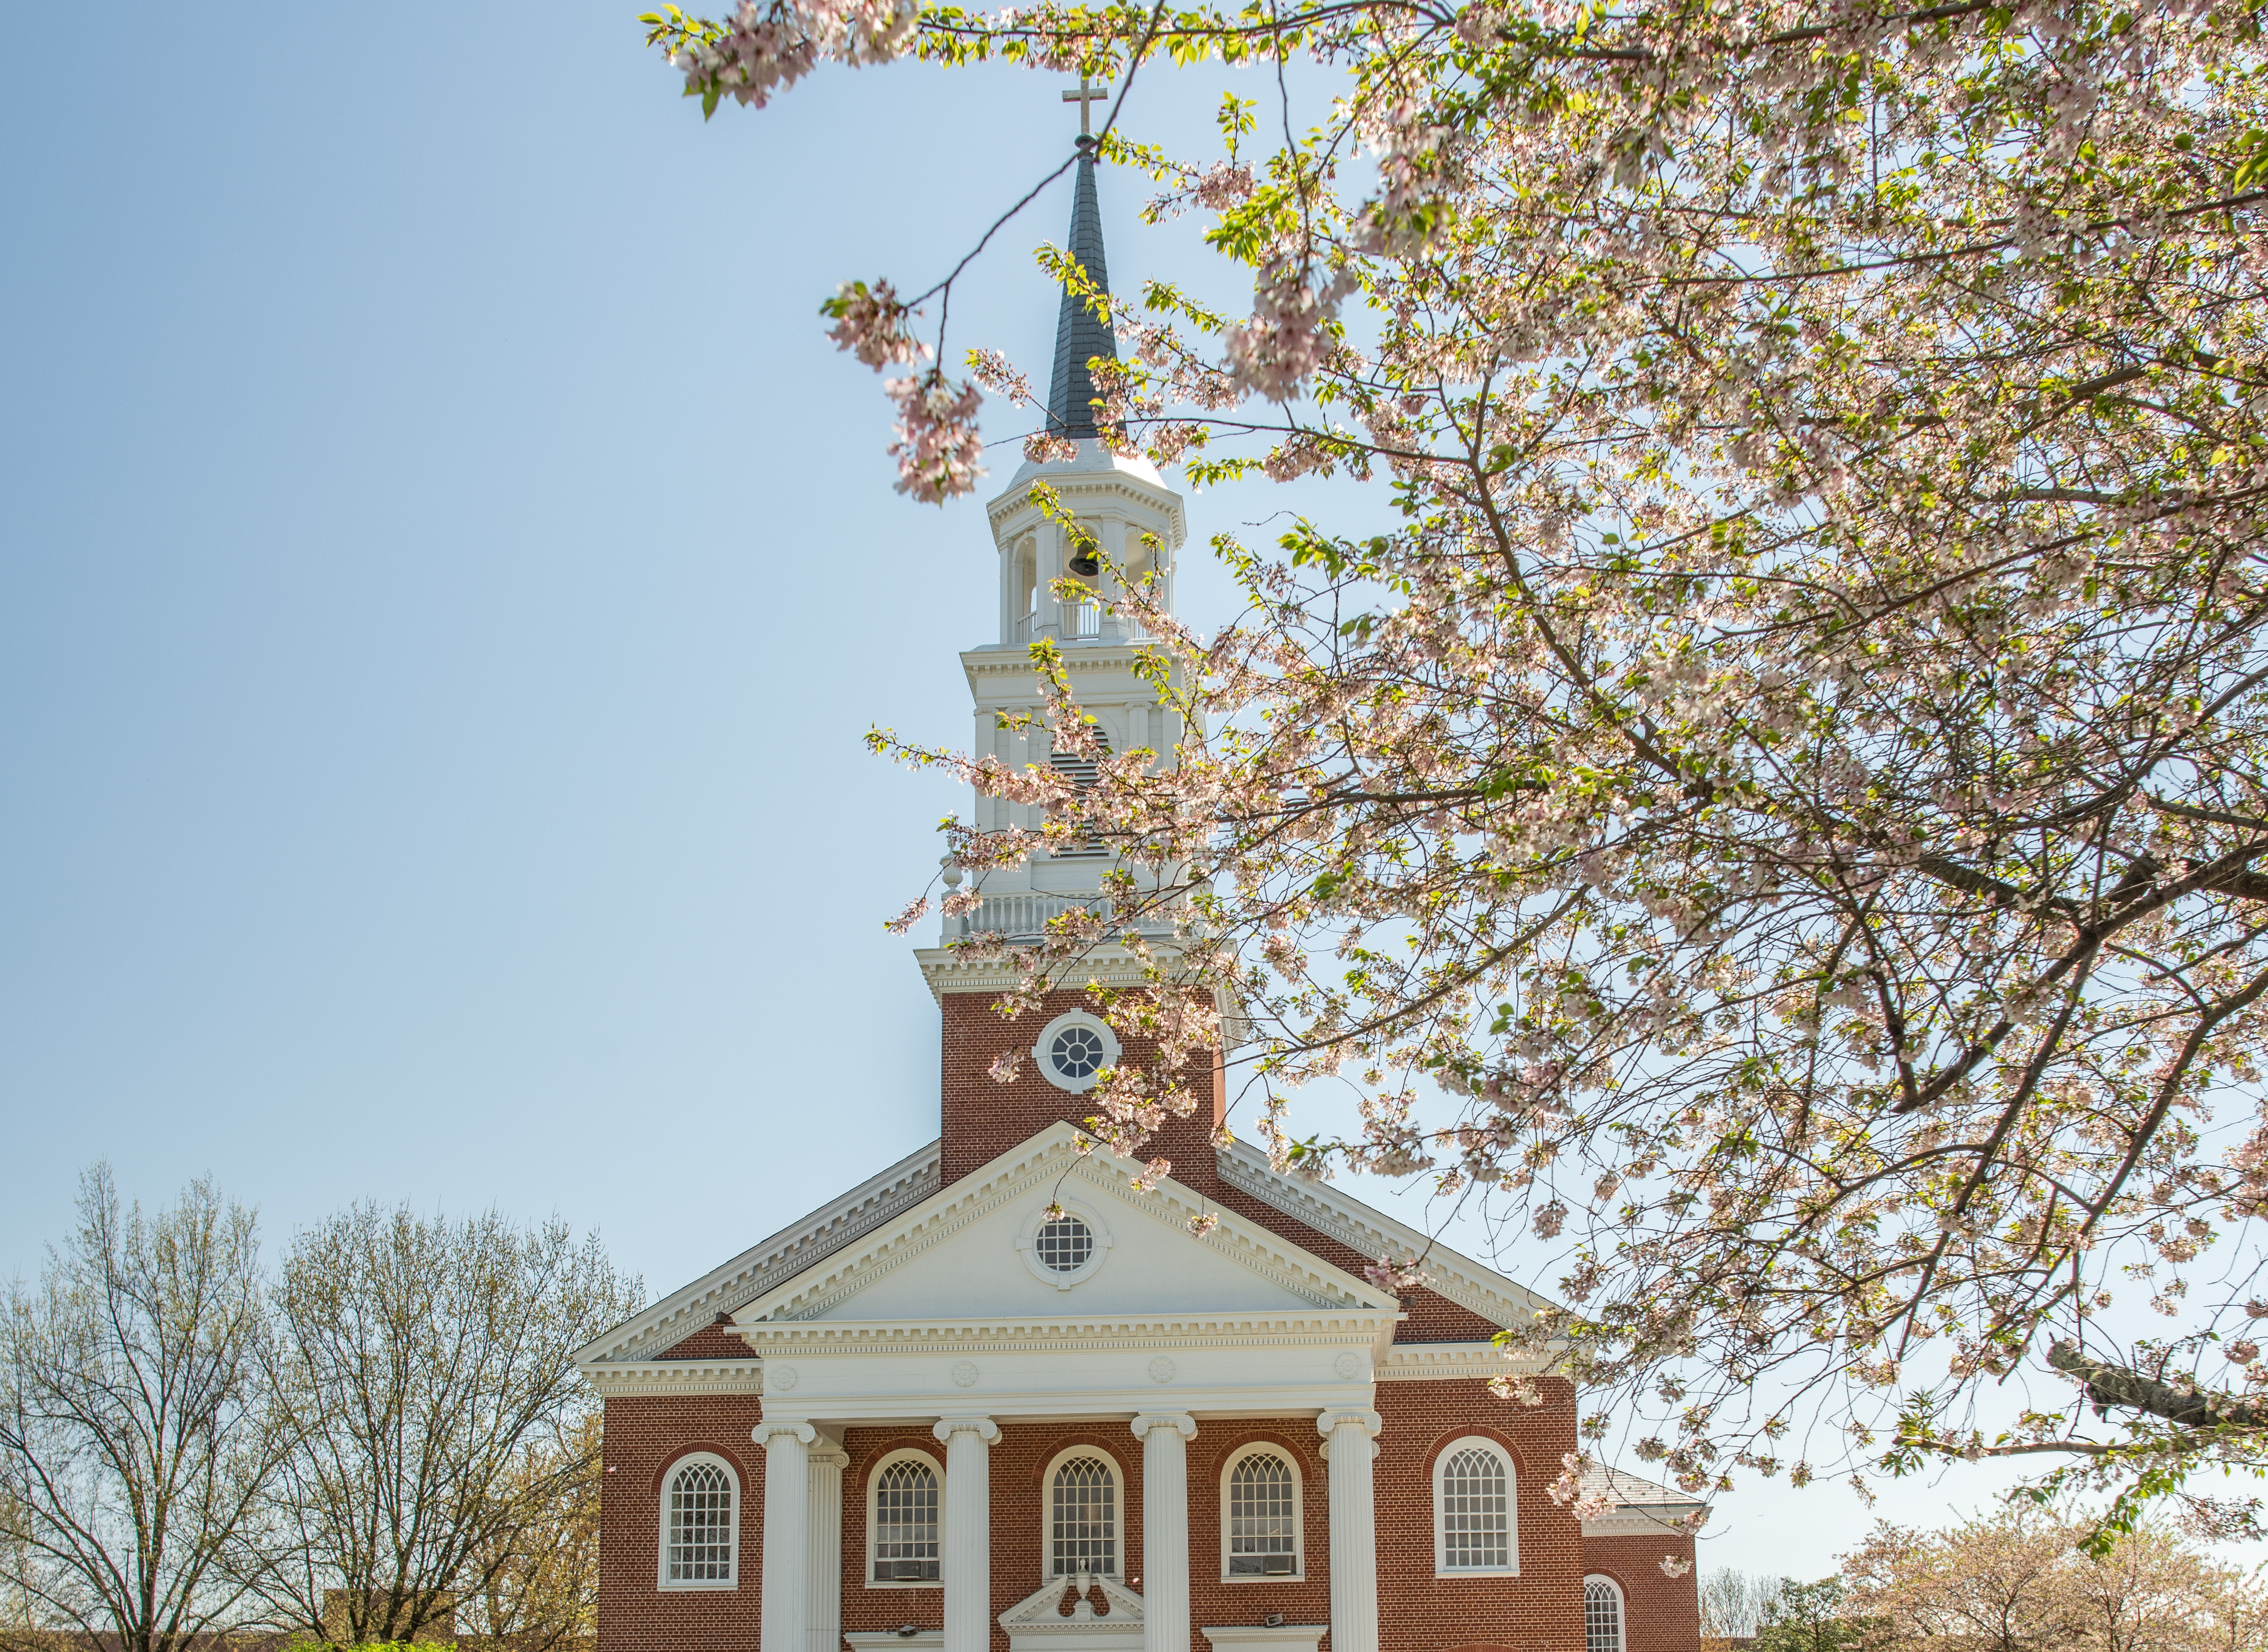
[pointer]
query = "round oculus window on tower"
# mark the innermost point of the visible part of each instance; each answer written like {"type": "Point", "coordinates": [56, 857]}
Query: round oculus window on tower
{"type": "Point", "coordinates": [1072, 1051]}
{"type": "Point", "coordinates": [1064, 1246]}
{"type": "Point", "coordinates": [1078, 1053]}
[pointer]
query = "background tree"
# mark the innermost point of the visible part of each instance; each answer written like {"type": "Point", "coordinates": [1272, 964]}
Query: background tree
{"type": "Point", "coordinates": [1732, 1603]}
{"type": "Point", "coordinates": [133, 1449]}
{"type": "Point", "coordinates": [546, 1590]}
{"type": "Point", "coordinates": [2146, 1592]}
{"type": "Point", "coordinates": [420, 1372]}
{"type": "Point", "coordinates": [2236, 1611]}
{"type": "Point", "coordinates": [1993, 1584]}
{"type": "Point", "coordinates": [1811, 1618]}
{"type": "Point", "coordinates": [1771, 815]}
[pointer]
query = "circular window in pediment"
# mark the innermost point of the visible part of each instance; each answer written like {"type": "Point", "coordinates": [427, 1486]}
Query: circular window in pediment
{"type": "Point", "coordinates": [1063, 1243]}
{"type": "Point", "coordinates": [1064, 1246]}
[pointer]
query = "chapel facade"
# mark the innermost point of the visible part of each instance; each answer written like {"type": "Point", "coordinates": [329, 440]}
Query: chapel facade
{"type": "Point", "coordinates": [996, 1399]}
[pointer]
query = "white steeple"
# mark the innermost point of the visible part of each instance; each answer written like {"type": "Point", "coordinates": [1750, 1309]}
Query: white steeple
{"type": "Point", "coordinates": [1111, 518]}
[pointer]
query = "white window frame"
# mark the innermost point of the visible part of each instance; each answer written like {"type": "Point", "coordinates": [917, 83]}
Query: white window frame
{"type": "Point", "coordinates": [678, 1465]}
{"type": "Point", "coordinates": [1112, 1051]}
{"type": "Point", "coordinates": [1027, 1245]}
{"type": "Point", "coordinates": [1298, 1572]}
{"type": "Point", "coordinates": [1441, 1566]}
{"type": "Point", "coordinates": [908, 1454]}
{"type": "Point", "coordinates": [1621, 1610]}
{"type": "Point", "coordinates": [1048, 1573]}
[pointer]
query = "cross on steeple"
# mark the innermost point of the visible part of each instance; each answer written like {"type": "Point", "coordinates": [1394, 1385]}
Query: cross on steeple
{"type": "Point", "coordinates": [1083, 97]}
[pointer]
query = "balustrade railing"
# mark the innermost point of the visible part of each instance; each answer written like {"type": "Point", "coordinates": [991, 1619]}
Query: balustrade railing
{"type": "Point", "coordinates": [1024, 917]}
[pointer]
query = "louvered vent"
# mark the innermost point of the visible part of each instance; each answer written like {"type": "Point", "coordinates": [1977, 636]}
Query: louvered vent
{"type": "Point", "coordinates": [1082, 772]}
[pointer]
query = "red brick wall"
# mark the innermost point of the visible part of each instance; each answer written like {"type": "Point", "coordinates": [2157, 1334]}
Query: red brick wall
{"type": "Point", "coordinates": [1214, 1600]}
{"type": "Point", "coordinates": [865, 1609]}
{"type": "Point", "coordinates": [1661, 1614]}
{"type": "Point", "coordinates": [1433, 1317]}
{"type": "Point", "coordinates": [709, 1342]}
{"type": "Point", "coordinates": [1539, 1611]}
{"type": "Point", "coordinates": [984, 1120]}
{"type": "Point", "coordinates": [644, 1437]}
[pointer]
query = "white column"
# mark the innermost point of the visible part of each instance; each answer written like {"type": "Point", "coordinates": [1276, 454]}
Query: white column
{"type": "Point", "coordinates": [1165, 1528]}
{"type": "Point", "coordinates": [965, 1544]}
{"type": "Point", "coordinates": [822, 1618]}
{"type": "Point", "coordinates": [1350, 1442]}
{"type": "Point", "coordinates": [787, 1537]}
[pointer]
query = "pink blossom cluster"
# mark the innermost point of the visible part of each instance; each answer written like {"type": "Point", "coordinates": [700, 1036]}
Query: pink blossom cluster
{"type": "Point", "coordinates": [938, 451]}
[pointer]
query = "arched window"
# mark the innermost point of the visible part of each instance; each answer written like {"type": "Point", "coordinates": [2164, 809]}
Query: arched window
{"type": "Point", "coordinates": [902, 1528]}
{"type": "Point", "coordinates": [1083, 1515]}
{"type": "Point", "coordinates": [700, 1523]}
{"type": "Point", "coordinates": [1474, 1529]}
{"type": "Point", "coordinates": [1260, 1515]}
{"type": "Point", "coordinates": [1602, 1614]}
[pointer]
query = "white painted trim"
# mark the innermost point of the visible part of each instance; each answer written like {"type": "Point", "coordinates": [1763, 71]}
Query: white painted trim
{"type": "Point", "coordinates": [791, 1250]}
{"type": "Point", "coordinates": [1062, 1154]}
{"type": "Point", "coordinates": [1335, 1216]}
{"type": "Point", "coordinates": [903, 1454]}
{"type": "Point", "coordinates": [1441, 1566]}
{"type": "Point", "coordinates": [1621, 1610]}
{"type": "Point", "coordinates": [1448, 1362]}
{"type": "Point", "coordinates": [696, 1459]}
{"type": "Point", "coordinates": [679, 1377]}
{"type": "Point", "coordinates": [1290, 1459]}
{"type": "Point", "coordinates": [1043, 1047]}
{"type": "Point", "coordinates": [1283, 1637]}
{"type": "Point", "coordinates": [1027, 1245]}
{"type": "Point", "coordinates": [890, 1640]}
{"type": "Point", "coordinates": [1048, 1573]}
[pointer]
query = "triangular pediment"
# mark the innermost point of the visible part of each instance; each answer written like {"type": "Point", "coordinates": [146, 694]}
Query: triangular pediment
{"type": "Point", "coordinates": [968, 1251]}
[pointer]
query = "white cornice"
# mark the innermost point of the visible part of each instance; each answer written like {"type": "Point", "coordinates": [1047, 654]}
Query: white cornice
{"type": "Point", "coordinates": [1640, 1522]}
{"type": "Point", "coordinates": [1062, 1150]}
{"type": "Point", "coordinates": [817, 1338]}
{"type": "Point", "coordinates": [1447, 1361]}
{"type": "Point", "coordinates": [955, 970]}
{"type": "Point", "coordinates": [1334, 1215]}
{"type": "Point", "coordinates": [677, 1377]}
{"type": "Point", "coordinates": [755, 1271]}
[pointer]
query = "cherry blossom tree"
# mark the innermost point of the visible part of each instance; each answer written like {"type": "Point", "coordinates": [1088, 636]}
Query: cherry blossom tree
{"type": "Point", "coordinates": [1777, 825]}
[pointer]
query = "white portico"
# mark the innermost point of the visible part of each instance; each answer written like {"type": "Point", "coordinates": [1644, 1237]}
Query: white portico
{"type": "Point", "coordinates": [977, 1308]}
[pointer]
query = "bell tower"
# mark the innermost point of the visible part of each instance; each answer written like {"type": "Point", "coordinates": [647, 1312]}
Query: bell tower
{"type": "Point", "coordinates": [1113, 518]}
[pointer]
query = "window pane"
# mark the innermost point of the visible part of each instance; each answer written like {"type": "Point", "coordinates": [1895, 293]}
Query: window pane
{"type": "Point", "coordinates": [700, 1526]}
{"type": "Point", "coordinates": [1476, 1512]}
{"type": "Point", "coordinates": [1602, 1617]}
{"type": "Point", "coordinates": [1083, 1519]}
{"type": "Point", "coordinates": [1263, 1517]}
{"type": "Point", "coordinates": [905, 1523]}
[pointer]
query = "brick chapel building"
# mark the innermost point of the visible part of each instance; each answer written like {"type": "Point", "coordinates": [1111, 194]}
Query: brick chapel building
{"type": "Point", "coordinates": [928, 1417]}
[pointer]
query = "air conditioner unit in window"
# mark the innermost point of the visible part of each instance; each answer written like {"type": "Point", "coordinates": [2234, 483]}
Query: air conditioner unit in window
{"type": "Point", "coordinates": [908, 1571]}
{"type": "Point", "coordinates": [1276, 1566]}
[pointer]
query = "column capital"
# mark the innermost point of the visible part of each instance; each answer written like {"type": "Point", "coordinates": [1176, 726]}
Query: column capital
{"type": "Point", "coordinates": [827, 1454]}
{"type": "Point", "coordinates": [983, 1428]}
{"type": "Point", "coordinates": [1179, 1421]}
{"type": "Point", "coordinates": [763, 1433]}
{"type": "Point", "coordinates": [1361, 1416]}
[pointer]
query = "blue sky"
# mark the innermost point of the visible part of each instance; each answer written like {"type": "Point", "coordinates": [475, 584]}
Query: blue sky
{"type": "Point", "coordinates": [444, 575]}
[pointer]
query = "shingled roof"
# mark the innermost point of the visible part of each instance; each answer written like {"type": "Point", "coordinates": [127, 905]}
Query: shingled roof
{"type": "Point", "coordinates": [1080, 336]}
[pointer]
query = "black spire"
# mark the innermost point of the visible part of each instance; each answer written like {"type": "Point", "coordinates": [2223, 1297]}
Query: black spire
{"type": "Point", "coordinates": [1080, 335]}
